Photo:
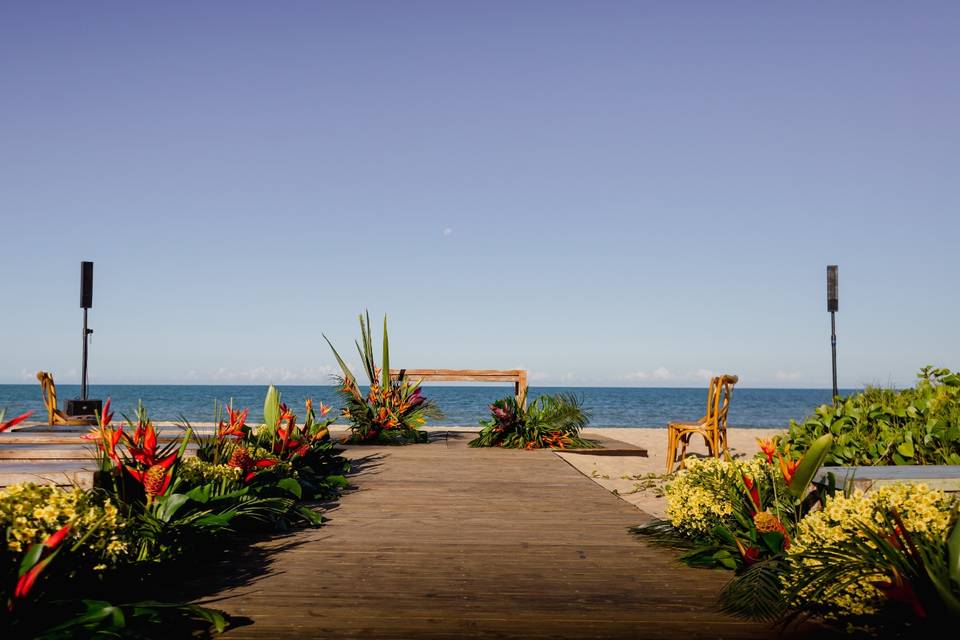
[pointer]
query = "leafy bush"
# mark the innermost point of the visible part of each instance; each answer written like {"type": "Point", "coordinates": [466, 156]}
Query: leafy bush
{"type": "Point", "coordinates": [920, 425]}
{"type": "Point", "coordinates": [392, 410]}
{"type": "Point", "coordinates": [550, 421]}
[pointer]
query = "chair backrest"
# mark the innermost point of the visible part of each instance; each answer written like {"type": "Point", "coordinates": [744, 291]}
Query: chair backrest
{"type": "Point", "coordinates": [49, 392]}
{"type": "Point", "coordinates": [718, 400]}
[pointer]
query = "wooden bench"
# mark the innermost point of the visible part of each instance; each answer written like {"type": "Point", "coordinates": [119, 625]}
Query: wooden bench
{"type": "Point", "coordinates": [517, 376]}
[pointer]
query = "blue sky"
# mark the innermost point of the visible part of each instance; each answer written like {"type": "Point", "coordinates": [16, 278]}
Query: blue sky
{"type": "Point", "coordinates": [612, 193]}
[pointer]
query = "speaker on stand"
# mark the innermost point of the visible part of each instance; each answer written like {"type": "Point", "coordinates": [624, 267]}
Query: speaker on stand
{"type": "Point", "coordinates": [83, 406]}
{"type": "Point", "coordinates": [833, 305]}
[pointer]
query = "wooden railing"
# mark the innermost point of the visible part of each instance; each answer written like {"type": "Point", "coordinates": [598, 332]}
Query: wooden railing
{"type": "Point", "coordinates": [517, 376]}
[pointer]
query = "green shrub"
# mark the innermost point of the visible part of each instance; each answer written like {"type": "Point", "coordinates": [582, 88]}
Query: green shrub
{"type": "Point", "coordinates": [919, 425]}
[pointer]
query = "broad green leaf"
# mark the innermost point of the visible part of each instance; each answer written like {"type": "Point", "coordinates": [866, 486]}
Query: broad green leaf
{"type": "Point", "coordinates": [271, 408]}
{"type": "Point", "coordinates": [169, 505]}
{"type": "Point", "coordinates": [773, 541]}
{"type": "Point", "coordinates": [725, 559]}
{"type": "Point", "coordinates": [336, 481]}
{"type": "Point", "coordinates": [200, 494]}
{"type": "Point", "coordinates": [906, 449]}
{"type": "Point", "coordinates": [31, 557]}
{"type": "Point", "coordinates": [310, 515]}
{"type": "Point", "coordinates": [953, 552]}
{"type": "Point", "coordinates": [812, 460]}
{"type": "Point", "coordinates": [291, 485]}
{"type": "Point", "coordinates": [385, 363]}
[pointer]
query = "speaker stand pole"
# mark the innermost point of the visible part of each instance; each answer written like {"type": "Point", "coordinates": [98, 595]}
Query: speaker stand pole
{"type": "Point", "coordinates": [833, 348]}
{"type": "Point", "coordinates": [83, 372]}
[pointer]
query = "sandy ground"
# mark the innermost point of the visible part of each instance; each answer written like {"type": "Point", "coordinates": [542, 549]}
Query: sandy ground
{"type": "Point", "coordinates": [638, 480]}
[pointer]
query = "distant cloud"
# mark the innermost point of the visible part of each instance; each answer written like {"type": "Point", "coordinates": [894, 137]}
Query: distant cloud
{"type": "Point", "coordinates": [546, 376]}
{"type": "Point", "coordinates": [270, 374]}
{"type": "Point", "coordinates": [788, 375]}
{"type": "Point", "coordinates": [447, 232]}
{"type": "Point", "coordinates": [662, 373]}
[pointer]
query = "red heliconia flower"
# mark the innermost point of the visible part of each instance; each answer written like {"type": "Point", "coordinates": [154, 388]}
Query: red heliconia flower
{"type": "Point", "coordinates": [144, 448]}
{"type": "Point", "coordinates": [285, 414]}
{"type": "Point", "coordinates": [258, 466]}
{"type": "Point", "coordinates": [751, 555]}
{"type": "Point", "coordinates": [769, 449]}
{"type": "Point", "coordinates": [15, 421]}
{"type": "Point", "coordinates": [106, 415]}
{"type": "Point", "coordinates": [28, 579]}
{"type": "Point", "coordinates": [753, 490]}
{"type": "Point", "coordinates": [302, 450]}
{"type": "Point", "coordinates": [236, 424]}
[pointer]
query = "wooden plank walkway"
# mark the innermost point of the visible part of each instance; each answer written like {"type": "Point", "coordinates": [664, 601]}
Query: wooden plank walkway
{"type": "Point", "coordinates": [442, 541]}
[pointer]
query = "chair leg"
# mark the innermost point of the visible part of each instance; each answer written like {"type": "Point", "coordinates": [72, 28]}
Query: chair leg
{"type": "Point", "coordinates": [684, 440]}
{"type": "Point", "coordinates": [671, 448]}
{"type": "Point", "coordinates": [724, 445]}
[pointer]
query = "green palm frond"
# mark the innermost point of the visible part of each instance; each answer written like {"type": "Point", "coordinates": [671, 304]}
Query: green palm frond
{"type": "Point", "coordinates": [661, 533]}
{"type": "Point", "coordinates": [756, 594]}
{"type": "Point", "coordinates": [561, 412]}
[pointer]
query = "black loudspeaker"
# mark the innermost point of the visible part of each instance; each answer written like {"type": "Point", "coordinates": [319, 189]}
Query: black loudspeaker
{"type": "Point", "coordinates": [84, 407]}
{"type": "Point", "coordinates": [86, 285]}
{"type": "Point", "coordinates": [833, 297]}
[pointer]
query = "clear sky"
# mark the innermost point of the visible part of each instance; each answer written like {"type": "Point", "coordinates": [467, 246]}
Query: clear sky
{"type": "Point", "coordinates": [605, 193]}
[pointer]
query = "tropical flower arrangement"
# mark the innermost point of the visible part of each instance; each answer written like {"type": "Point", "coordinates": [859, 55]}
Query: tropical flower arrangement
{"type": "Point", "coordinates": [735, 513]}
{"type": "Point", "coordinates": [153, 504]}
{"type": "Point", "coordinates": [876, 536]}
{"type": "Point", "coordinates": [871, 561]}
{"type": "Point", "coordinates": [549, 422]}
{"type": "Point", "coordinates": [393, 409]}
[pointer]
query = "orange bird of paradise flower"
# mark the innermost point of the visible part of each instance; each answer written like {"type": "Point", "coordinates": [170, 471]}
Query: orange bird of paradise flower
{"type": "Point", "coordinates": [769, 449]}
{"type": "Point", "coordinates": [788, 468]}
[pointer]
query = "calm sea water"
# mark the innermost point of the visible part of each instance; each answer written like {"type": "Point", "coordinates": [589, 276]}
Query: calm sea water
{"type": "Point", "coordinates": [608, 406]}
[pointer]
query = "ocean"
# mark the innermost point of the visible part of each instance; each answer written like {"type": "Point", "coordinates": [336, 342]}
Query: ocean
{"type": "Point", "coordinates": [462, 405]}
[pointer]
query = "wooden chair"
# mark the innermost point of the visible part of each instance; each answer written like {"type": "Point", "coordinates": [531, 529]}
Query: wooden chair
{"type": "Point", "coordinates": [55, 416]}
{"type": "Point", "coordinates": [712, 426]}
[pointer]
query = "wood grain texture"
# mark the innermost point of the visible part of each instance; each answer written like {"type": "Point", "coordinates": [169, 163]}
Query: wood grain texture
{"type": "Point", "coordinates": [442, 541]}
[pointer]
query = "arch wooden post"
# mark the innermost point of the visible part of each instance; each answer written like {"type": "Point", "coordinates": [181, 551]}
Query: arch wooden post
{"type": "Point", "coordinates": [520, 387]}
{"type": "Point", "coordinates": [517, 376]}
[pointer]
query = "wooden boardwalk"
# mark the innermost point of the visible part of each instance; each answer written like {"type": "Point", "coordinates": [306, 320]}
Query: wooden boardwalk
{"type": "Point", "coordinates": [442, 541]}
